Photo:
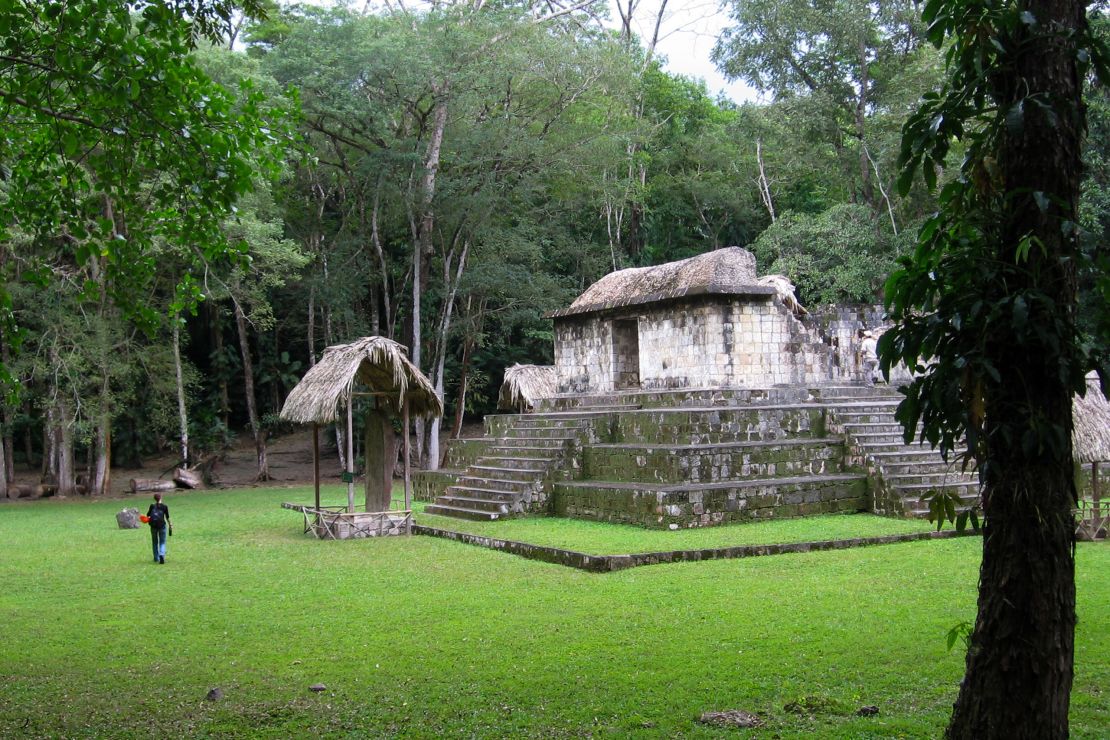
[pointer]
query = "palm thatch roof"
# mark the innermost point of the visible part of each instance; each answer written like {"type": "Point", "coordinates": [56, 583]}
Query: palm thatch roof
{"type": "Point", "coordinates": [377, 363]}
{"type": "Point", "coordinates": [1090, 436]}
{"type": "Point", "coordinates": [729, 271]}
{"type": "Point", "coordinates": [526, 384]}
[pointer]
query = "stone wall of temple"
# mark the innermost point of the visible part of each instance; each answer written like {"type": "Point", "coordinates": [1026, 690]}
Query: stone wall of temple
{"type": "Point", "coordinates": [703, 342]}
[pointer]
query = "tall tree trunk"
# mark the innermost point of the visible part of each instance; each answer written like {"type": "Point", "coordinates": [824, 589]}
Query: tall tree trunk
{"type": "Point", "coordinates": [63, 445]}
{"type": "Point", "coordinates": [381, 456]}
{"type": "Point", "coordinates": [464, 373]}
{"type": "Point", "coordinates": [101, 479]}
{"type": "Point", "coordinates": [867, 191]}
{"type": "Point", "coordinates": [3, 467]}
{"type": "Point", "coordinates": [182, 411]}
{"type": "Point", "coordinates": [1020, 660]}
{"type": "Point", "coordinates": [218, 344]}
{"type": "Point", "coordinates": [311, 332]}
{"type": "Point", "coordinates": [248, 387]}
{"type": "Point", "coordinates": [423, 247]}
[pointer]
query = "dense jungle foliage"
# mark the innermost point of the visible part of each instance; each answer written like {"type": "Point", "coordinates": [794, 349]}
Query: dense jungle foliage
{"type": "Point", "coordinates": [197, 198]}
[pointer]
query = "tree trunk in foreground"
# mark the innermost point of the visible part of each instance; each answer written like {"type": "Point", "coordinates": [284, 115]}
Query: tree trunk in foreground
{"type": "Point", "coordinates": [248, 386]}
{"type": "Point", "coordinates": [381, 456]}
{"type": "Point", "coordinates": [1020, 660]}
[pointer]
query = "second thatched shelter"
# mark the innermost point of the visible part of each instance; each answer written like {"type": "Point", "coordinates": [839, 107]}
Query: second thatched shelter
{"type": "Point", "coordinates": [381, 371]}
{"type": "Point", "coordinates": [1090, 441]}
{"type": "Point", "coordinates": [525, 385]}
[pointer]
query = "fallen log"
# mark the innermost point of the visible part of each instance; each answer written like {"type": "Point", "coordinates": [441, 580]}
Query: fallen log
{"type": "Point", "coordinates": [21, 491]}
{"type": "Point", "coordinates": [141, 485]}
{"type": "Point", "coordinates": [187, 478]}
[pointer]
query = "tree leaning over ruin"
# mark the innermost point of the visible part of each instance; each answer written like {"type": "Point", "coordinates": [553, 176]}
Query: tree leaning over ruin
{"type": "Point", "coordinates": [986, 312]}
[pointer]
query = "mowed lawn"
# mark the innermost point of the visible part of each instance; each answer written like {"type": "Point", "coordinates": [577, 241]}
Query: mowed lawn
{"type": "Point", "coordinates": [421, 637]}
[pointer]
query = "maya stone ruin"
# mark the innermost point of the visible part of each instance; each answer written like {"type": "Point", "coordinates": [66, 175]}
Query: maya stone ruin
{"type": "Point", "coordinates": [691, 394]}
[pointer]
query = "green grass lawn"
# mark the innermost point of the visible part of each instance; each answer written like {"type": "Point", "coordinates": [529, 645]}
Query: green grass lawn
{"type": "Point", "coordinates": [422, 637]}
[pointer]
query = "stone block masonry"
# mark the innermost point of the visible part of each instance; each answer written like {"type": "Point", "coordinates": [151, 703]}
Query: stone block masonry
{"type": "Point", "coordinates": [682, 506]}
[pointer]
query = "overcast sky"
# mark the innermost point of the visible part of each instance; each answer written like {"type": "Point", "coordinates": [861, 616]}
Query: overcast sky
{"type": "Point", "coordinates": [690, 29]}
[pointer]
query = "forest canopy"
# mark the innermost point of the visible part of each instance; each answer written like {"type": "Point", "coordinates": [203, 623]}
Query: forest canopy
{"type": "Point", "coordinates": [197, 198]}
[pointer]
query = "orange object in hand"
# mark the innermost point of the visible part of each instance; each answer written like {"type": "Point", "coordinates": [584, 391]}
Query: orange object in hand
{"type": "Point", "coordinates": [144, 518]}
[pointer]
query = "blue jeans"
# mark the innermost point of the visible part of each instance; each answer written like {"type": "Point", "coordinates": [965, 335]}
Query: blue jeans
{"type": "Point", "coordinates": [158, 541]}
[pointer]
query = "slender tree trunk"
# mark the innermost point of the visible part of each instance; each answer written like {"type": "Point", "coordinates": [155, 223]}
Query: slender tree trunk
{"type": "Point", "coordinates": [3, 478]}
{"type": "Point", "coordinates": [28, 441]}
{"type": "Point", "coordinates": [1021, 656]}
{"type": "Point", "coordinates": [8, 442]}
{"type": "Point", "coordinates": [63, 431]}
{"type": "Point", "coordinates": [182, 411]}
{"type": "Point", "coordinates": [311, 332]}
{"type": "Point", "coordinates": [248, 387]}
{"type": "Point", "coordinates": [464, 374]}
{"type": "Point", "coordinates": [340, 447]}
{"type": "Point", "coordinates": [101, 480]}
{"type": "Point", "coordinates": [218, 343]}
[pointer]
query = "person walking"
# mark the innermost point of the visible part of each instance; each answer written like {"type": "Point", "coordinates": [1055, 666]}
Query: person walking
{"type": "Point", "coordinates": [869, 359]}
{"type": "Point", "coordinates": [158, 517]}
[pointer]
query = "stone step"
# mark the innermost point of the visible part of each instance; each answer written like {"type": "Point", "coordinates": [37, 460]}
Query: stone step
{"type": "Point", "coordinates": [874, 427]}
{"type": "Point", "coordinates": [557, 434]}
{"type": "Point", "coordinates": [517, 459]}
{"type": "Point", "coordinates": [560, 421]}
{"type": "Point", "coordinates": [524, 450]}
{"type": "Point", "coordinates": [477, 503]}
{"type": "Point", "coordinates": [494, 471]}
{"type": "Point", "coordinates": [462, 512]}
{"type": "Point", "coordinates": [922, 465]}
{"type": "Point", "coordinates": [493, 484]}
{"type": "Point", "coordinates": [942, 478]}
{"type": "Point", "coordinates": [876, 437]}
{"type": "Point", "coordinates": [910, 453]}
{"type": "Point", "coordinates": [530, 443]}
{"type": "Point", "coordinates": [919, 489]}
{"type": "Point", "coordinates": [849, 393]}
{"type": "Point", "coordinates": [485, 494]}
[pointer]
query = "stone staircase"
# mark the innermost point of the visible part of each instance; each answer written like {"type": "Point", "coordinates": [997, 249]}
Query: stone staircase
{"type": "Point", "coordinates": [508, 477]}
{"type": "Point", "coordinates": [901, 473]}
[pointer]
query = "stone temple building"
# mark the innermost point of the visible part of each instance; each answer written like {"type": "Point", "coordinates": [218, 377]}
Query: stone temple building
{"type": "Point", "coordinates": [703, 322]}
{"type": "Point", "coordinates": [692, 394]}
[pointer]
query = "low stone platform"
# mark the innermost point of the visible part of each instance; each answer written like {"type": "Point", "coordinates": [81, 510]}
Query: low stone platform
{"type": "Point", "coordinates": [694, 458]}
{"type": "Point", "coordinates": [701, 505]}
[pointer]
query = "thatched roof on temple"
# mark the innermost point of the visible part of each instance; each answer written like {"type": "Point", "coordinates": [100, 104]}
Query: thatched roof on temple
{"type": "Point", "coordinates": [526, 384]}
{"type": "Point", "coordinates": [729, 271]}
{"type": "Point", "coordinates": [380, 365]}
{"type": "Point", "coordinates": [1090, 435]}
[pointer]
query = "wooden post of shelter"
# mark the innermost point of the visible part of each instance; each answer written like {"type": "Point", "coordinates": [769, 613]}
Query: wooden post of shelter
{"type": "Point", "coordinates": [350, 455]}
{"type": "Point", "coordinates": [316, 466]}
{"type": "Point", "coordinates": [408, 477]}
{"type": "Point", "coordinates": [1096, 500]}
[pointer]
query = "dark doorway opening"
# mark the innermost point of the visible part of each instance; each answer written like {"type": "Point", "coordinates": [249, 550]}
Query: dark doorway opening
{"type": "Point", "coordinates": [626, 354]}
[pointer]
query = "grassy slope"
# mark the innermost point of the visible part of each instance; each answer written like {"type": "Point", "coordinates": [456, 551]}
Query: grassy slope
{"type": "Point", "coordinates": [424, 637]}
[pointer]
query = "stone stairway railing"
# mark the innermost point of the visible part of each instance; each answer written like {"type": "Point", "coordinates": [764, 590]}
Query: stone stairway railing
{"type": "Point", "coordinates": [901, 473]}
{"type": "Point", "coordinates": [509, 476]}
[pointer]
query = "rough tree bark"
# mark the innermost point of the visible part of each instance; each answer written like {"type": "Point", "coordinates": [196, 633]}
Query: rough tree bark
{"type": "Point", "coordinates": [102, 472]}
{"type": "Point", "coordinates": [381, 455]}
{"type": "Point", "coordinates": [182, 411]}
{"type": "Point", "coordinates": [248, 389]}
{"type": "Point", "coordinates": [1020, 660]}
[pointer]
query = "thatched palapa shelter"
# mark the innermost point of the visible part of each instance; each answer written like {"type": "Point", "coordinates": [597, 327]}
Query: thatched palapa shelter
{"type": "Point", "coordinates": [524, 385]}
{"type": "Point", "coordinates": [381, 370]}
{"type": "Point", "coordinates": [1090, 441]}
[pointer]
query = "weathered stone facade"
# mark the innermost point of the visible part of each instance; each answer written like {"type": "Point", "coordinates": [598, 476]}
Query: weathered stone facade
{"type": "Point", "coordinates": [704, 335]}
